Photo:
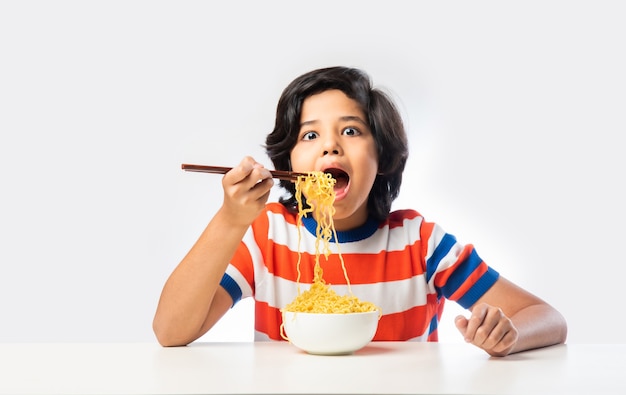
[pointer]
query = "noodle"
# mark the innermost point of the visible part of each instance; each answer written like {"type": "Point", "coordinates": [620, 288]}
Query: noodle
{"type": "Point", "coordinates": [320, 298]}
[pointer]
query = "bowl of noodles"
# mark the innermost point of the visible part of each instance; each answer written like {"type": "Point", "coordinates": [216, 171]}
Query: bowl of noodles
{"type": "Point", "coordinates": [330, 333]}
{"type": "Point", "coordinates": [318, 320]}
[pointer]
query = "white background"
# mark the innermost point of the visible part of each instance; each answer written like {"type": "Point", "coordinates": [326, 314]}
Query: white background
{"type": "Point", "coordinates": [515, 112]}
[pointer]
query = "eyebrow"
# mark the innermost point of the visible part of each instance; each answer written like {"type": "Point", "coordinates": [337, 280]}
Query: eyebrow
{"type": "Point", "coordinates": [345, 118]}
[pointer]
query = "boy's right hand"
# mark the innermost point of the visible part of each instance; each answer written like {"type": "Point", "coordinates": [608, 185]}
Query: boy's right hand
{"type": "Point", "coordinates": [246, 190]}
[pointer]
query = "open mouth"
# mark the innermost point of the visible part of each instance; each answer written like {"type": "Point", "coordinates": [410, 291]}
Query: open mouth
{"type": "Point", "coordinates": [342, 178]}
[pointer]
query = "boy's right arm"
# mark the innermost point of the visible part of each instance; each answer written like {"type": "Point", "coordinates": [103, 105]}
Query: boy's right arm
{"type": "Point", "coordinates": [192, 300]}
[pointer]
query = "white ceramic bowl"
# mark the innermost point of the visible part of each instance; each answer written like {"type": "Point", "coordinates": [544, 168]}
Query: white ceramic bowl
{"type": "Point", "coordinates": [330, 334]}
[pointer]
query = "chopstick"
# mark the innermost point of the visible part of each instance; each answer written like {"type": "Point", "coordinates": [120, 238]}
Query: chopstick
{"type": "Point", "coordinates": [280, 174]}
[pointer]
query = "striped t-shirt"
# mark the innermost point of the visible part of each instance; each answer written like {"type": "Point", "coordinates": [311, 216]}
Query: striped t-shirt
{"type": "Point", "coordinates": [404, 265]}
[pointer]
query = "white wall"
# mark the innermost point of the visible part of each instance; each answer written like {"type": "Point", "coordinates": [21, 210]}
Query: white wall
{"type": "Point", "coordinates": [514, 109]}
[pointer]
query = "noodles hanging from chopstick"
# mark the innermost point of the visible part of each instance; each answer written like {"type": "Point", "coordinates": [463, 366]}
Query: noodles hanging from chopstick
{"type": "Point", "coordinates": [320, 298]}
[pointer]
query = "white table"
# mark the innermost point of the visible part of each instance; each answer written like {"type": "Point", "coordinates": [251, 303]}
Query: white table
{"type": "Point", "coordinates": [279, 367]}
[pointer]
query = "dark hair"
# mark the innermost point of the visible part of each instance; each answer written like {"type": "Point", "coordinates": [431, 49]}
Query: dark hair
{"type": "Point", "coordinates": [382, 116]}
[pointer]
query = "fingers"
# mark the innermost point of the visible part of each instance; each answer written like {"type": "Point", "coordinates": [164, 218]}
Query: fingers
{"type": "Point", "coordinates": [461, 324]}
{"type": "Point", "coordinates": [489, 329]}
{"type": "Point", "coordinates": [248, 171]}
{"type": "Point", "coordinates": [246, 190]}
{"type": "Point", "coordinates": [257, 181]}
{"type": "Point", "coordinates": [476, 322]}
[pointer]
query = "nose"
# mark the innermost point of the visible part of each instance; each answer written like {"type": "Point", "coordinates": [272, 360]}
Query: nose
{"type": "Point", "coordinates": [331, 146]}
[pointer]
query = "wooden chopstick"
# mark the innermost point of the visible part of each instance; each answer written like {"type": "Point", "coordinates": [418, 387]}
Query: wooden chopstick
{"type": "Point", "coordinates": [280, 174]}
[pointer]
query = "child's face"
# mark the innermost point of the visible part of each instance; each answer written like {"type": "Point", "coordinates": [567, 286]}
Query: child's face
{"type": "Point", "coordinates": [335, 137]}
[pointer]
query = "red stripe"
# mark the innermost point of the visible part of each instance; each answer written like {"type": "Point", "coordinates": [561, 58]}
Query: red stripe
{"type": "Point", "coordinates": [397, 218]}
{"type": "Point", "coordinates": [361, 268]}
{"type": "Point", "coordinates": [469, 282]}
{"type": "Point", "coordinates": [267, 319]}
{"type": "Point", "coordinates": [426, 231]}
{"type": "Point", "coordinates": [244, 263]}
{"type": "Point", "coordinates": [276, 256]}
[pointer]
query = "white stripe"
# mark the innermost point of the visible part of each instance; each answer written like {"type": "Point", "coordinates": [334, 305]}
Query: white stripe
{"type": "Point", "coordinates": [422, 338]}
{"type": "Point", "coordinates": [395, 239]}
{"type": "Point", "coordinates": [390, 296]}
{"type": "Point", "coordinates": [451, 257]}
{"type": "Point", "coordinates": [275, 291]}
{"type": "Point", "coordinates": [232, 271]}
{"type": "Point", "coordinates": [434, 240]}
{"type": "Point", "coordinates": [446, 261]}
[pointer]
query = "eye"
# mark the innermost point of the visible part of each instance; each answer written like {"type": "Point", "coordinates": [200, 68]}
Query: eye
{"type": "Point", "coordinates": [350, 131]}
{"type": "Point", "coordinates": [309, 136]}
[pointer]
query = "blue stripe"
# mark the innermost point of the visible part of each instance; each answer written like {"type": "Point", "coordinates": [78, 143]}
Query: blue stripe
{"type": "Point", "coordinates": [443, 248]}
{"type": "Point", "coordinates": [482, 285]}
{"type": "Point", "coordinates": [433, 324]}
{"type": "Point", "coordinates": [461, 273]}
{"type": "Point", "coordinates": [360, 233]}
{"type": "Point", "coordinates": [231, 287]}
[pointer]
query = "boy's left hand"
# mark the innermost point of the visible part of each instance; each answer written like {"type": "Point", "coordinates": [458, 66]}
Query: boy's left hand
{"type": "Point", "coordinates": [489, 329]}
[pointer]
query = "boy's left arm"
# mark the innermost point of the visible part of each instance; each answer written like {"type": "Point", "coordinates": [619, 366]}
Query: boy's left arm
{"type": "Point", "coordinates": [509, 319]}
